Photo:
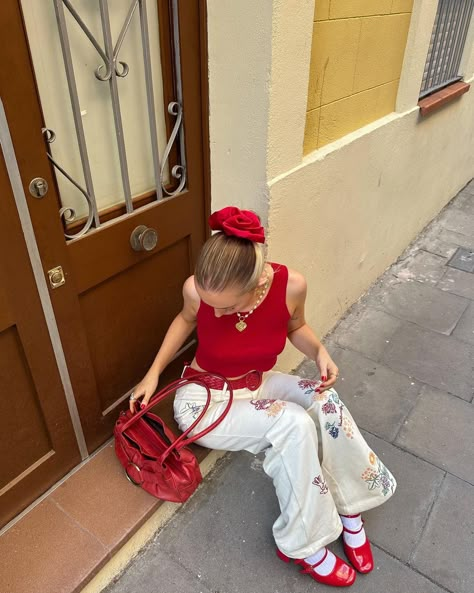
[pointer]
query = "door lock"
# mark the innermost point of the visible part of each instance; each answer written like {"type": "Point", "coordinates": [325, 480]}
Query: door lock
{"type": "Point", "coordinates": [56, 277]}
{"type": "Point", "coordinates": [38, 187]}
{"type": "Point", "coordinates": [143, 238]}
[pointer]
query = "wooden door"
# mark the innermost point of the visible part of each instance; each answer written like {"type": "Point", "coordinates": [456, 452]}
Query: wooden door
{"type": "Point", "coordinates": [115, 303]}
{"type": "Point", "coordinates": [37, 441]}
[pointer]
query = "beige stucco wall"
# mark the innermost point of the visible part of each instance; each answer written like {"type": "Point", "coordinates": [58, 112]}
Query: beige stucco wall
{"type": "Point", "coordinates": [239, 45]}
{"type": "Point", "coordinates": [343, 213]}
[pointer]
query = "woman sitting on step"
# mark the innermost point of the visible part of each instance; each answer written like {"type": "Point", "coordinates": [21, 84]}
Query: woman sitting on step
{"type": "Point", "coordinates": [244, 309]}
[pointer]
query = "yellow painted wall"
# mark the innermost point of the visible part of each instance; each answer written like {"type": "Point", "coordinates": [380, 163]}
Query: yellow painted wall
{"type": "Point", "coordinates": [356, 60]}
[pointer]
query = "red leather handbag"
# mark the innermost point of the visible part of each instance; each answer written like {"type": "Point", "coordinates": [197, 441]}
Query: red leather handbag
{"type": "Point", "coordinates": [153, 457]}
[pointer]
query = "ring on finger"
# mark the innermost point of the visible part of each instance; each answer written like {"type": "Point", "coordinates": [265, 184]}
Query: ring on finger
{"type": "Point", "coordinates": [132, 397]}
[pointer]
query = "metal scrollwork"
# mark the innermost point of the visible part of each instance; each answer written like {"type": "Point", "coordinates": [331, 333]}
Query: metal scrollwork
{"type": "Point", "coordinates": [92, 39]}
{"type": "Point", "coordinates": [120, 72]}
{"type": "Point", "coordinates": [178, 171]}
{"type": "Point", "coordinates": [67, 213]}
{"type": "Point", "coordinates": [103, 72]}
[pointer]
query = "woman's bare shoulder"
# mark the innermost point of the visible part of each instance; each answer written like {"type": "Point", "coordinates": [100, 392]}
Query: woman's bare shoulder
{"type": "Point", "coordinates": [297, 286]}
{"type": "Point", "coordinates": [190, 295]}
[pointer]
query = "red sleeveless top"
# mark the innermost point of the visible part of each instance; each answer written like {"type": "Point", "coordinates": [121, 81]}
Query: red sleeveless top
{"type": "Point", "coordinates": [223, 349]}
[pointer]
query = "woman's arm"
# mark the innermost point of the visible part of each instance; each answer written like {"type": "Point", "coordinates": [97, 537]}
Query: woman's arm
{"type": "Point", "coordinates": [180, 328]}
{"type": "Point", "coordinates": [302, 336]}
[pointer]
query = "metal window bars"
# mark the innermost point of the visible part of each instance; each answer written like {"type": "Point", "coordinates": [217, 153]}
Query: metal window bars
{"type": "Point", "coordinates": [449, 34]}
{"type": "Point", "coordinates": [109, 71]}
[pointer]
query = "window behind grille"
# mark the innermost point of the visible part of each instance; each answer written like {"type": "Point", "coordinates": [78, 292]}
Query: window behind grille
{"type": "Point", "coordinates": [446, 46]}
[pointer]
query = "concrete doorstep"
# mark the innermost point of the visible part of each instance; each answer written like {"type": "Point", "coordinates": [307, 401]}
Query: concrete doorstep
{"type": "Point", "coordinates": [84, 531]}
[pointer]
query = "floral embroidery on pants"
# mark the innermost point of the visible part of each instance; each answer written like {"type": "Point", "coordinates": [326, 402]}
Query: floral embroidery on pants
{"type": "Point", "coordinates": [307, 385]}
{"type": "Point", "coordinates": [320, 482]}
{"type": "Point", "coordinates": [334, 406]}
{"type": "Point", "coordinates": [378, 476]}
{"type": "Point", "coordinates": [271, 406]}
{"type": "Point", "coordinates": [348, 428]}
{"type": "Point", "coordinates": [332, 429]}
{"type": "Point", "coordinates": [329, 408]}
{"type": "Point", "coordinates": [195, 409]}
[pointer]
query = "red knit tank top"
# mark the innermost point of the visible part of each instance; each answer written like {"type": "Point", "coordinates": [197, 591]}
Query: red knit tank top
{"type": "Point", "coordinates": [223, 349]}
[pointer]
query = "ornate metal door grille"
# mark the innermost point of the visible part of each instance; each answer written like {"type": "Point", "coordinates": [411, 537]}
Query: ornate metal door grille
{"type": "Point", "coordinates": [109, 71]}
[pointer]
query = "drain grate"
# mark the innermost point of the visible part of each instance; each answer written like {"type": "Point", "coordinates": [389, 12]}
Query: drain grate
{"type": "Point", "coordinates": [463, 259]}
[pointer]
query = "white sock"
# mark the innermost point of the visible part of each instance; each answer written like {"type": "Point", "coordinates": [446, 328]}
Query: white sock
{"type": "Point", "coordinates": [326, 566]}
{"type": "Point", "coordinates": [353, 523]}
{"type": "Point", "coordinates": [354, 540]}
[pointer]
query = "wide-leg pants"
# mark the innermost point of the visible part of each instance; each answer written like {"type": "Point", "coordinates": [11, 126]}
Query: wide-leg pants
{"type": "Point", "coordinates": [320, 464]}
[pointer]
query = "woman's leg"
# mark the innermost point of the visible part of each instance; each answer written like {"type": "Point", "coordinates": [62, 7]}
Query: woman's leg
{"type": "Point", "coordinates": [309, 519]}
{"type": "Point", "coordinates": [357, 479]}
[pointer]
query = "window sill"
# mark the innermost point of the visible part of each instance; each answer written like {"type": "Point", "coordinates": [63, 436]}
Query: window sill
{"type": "Point", "coordinates": [441, 97]}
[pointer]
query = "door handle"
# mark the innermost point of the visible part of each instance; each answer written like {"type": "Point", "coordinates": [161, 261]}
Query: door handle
{"type": "Point", "coordinates": [143, 238]}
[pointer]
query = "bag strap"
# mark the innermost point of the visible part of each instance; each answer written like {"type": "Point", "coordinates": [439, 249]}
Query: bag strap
{"type": "Point", "coordinates": [182, 440]}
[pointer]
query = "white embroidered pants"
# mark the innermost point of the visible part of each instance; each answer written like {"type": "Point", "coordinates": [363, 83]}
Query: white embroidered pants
{"type": "Point", "coordinates": [320, 464]}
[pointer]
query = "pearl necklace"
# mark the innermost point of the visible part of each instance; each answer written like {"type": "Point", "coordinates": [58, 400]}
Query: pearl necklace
{"type": "Point", "coordinates": [241, 325]}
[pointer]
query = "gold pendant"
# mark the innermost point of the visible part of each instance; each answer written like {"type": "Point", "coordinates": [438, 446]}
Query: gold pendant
{"type": "Point", "coordinates": [241, 325]}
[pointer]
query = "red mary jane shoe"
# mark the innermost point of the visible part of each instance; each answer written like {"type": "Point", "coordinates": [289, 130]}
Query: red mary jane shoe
{"type": "Point", "coordinates": [342, 574]}
{"type": "Point", "coordinates": [361, 558]}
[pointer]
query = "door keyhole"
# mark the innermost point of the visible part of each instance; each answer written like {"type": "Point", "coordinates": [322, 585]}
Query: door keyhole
{"type": "Point", "coordinates": [38, 187]}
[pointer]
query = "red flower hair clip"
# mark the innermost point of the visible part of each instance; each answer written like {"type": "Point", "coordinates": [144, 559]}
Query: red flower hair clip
{"type": "Point", "coordinates": [238, 223]}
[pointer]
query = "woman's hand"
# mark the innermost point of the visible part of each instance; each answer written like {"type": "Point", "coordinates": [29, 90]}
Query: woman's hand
{"type": "Point", "coordinates": [327, 369]}
{"type": "Point", "coordinates": [145, 389]}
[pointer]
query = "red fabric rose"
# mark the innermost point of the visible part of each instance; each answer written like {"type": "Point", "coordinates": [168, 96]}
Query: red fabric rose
{"type": "Point", "coordinates": [238, 223]}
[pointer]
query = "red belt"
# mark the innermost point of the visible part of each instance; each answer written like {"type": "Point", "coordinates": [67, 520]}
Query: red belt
{"type": "Point", "coordinates": [251, 380]}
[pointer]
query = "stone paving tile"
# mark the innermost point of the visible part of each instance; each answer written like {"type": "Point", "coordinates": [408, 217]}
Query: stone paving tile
{"type": "Point", "coordinates": [157, 573]}
{"type": "Point", "coordinates": [390, 526]}
{"type": "Point", "coordinates": [421, 266]}
{"type": "Point", "coordinates": [378, 398]}
{"type": "Point", "coordinates": [432, 243]}
{"type": "Point", "coordinates": [389, 576]}
{"type": "Point", "coordinates": [463, 260]}
{"type": "Point", "coordinates": [367, 331]}
{"type": "Point", "coordinates": [465, 201]}
{"type": "Point", "coordinates": [441, 241]}
{"type": "Point", "coordinates": [27, 565]}
{"type": "Point", "coordinates": [88, 495]}
{"type": "Point", "coordinates": [421, 304]}
{"type": "Point", "coordinates": [465, 328]}
{"type": "Point", "coordinates": [457, 282]}
{"type": "Point", "coordinates": [440, 430]}
{"type": "Point", "coordinates": [445, 550]}
{"type": "Point", "coordinates": [440, 361]}
{"type": "Point", "coordinates": [456, 220]}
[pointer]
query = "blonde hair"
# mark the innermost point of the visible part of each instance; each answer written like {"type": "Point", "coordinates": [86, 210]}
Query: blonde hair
{"type": "Point", "coordinates": [229, 262]}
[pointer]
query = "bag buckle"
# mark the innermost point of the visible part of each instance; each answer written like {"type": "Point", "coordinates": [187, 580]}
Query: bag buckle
{"type": "Point", "coordinates": [131, 479]}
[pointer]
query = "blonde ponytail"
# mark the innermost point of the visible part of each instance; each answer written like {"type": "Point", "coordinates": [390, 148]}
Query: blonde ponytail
{"type": "Point", "coordinates": [230, 262]}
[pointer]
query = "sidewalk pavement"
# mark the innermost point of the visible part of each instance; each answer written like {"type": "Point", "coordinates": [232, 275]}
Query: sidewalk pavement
{"type": "Point", "coordinates": [405, 353]}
